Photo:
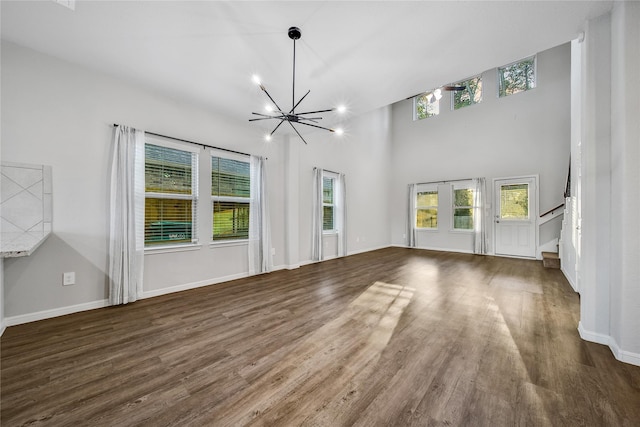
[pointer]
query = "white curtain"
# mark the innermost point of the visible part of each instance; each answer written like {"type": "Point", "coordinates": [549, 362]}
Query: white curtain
{"type": "Point", "coordinates": [341, 214]}
{"type": "Point", "coordinates": [316, 217]}
{"type": "Point", "coordinates": [126, 232]}
{"type": "Point", "coordinates": [411, 217]}
{"type": "Point", "coordinates": [259, 226]}
{"type": "Point", "coordinates": [479, 217]}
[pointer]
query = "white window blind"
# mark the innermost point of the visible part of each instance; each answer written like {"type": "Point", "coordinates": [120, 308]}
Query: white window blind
{"type": "Point", "coordinates": [230, 194]}
{"type": "Point", "coordinates": [171, 195]}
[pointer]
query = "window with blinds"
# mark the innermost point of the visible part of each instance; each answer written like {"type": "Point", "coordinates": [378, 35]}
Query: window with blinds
{"type": "Point", "coordinates": [328, 204]}
{"type": "Point", "coordinates": [230, 194]}
{"type": "Point", "coordinates": [171, 189]}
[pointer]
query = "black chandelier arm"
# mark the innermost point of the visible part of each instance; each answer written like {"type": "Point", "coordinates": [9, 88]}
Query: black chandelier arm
{"type": "Point", "coordinates": [264, 117]}
{"type": "Point", "coordinates": [294, 128]}
{"type": "Point", "coordinates": [316, 126]}
{"type": "Point", "coordinates": [314, 112]}
{"type": "Point", "coordinates": [267, 93]}
{"type": "Point", "coordinates": [312, 119]}
{"type": "Point", "coordinates": [276, 128]}
{"type": "Point", "coordinates": [298, 103]}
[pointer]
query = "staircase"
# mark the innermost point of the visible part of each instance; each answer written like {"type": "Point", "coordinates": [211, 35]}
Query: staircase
{"type": "Point", "coordinates": [550, 259]}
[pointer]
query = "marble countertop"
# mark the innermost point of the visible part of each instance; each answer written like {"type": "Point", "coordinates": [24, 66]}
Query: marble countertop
{"type": "Point", "coordinates": [21, 244]}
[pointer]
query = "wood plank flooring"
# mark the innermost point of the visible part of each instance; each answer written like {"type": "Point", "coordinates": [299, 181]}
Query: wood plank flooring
{"type": "Point", "coordinates": [394, 337]}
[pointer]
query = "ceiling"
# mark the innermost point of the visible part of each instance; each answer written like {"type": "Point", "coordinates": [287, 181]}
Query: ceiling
{"type": "Point", "coordinates": [364, 54]}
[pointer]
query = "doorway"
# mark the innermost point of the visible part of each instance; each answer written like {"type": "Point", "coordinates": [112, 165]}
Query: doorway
{"type": "Point", "coordinates": [516, 209]}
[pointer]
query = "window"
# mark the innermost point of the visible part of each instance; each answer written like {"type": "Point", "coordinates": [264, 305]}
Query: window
{"type": "Point", "coordinates": [517, 77]}
{"type": "Point", "coordinates": [328, 204]}
{"type": "Point", "coordinates": [462, 208]}
{"type": "Point", "coordinates": [427, 209]}
{"type": "Point", "coordinates": [230, 195]}
{"type": "Point", "coordinates": [471, 94]}
{"type": "Point", "coordinates": [171, 189]}
{"type": "Point", "coordinates": [426, 105]}
{"type": "Point", "coordinates": [514, 201]}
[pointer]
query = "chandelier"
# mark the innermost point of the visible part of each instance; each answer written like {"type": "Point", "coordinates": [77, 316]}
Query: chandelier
{"type": "Point", "coordinates": [307, 118]}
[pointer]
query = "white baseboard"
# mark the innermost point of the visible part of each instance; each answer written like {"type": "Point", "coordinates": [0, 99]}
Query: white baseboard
{"type": "Point", "coordinates": [621, 355]}
{"type": "Point", "coordinates": [429, 248]}
{"type": "Point", "coordinates": [569, 279]}
{"type": "Point", "coordinates": [192, 285]}
{"type": "Point", "coordinates": [55, 312]}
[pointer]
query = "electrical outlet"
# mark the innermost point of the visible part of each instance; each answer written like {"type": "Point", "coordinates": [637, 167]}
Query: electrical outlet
{"type": "Point", "coordinates": [69, 278]}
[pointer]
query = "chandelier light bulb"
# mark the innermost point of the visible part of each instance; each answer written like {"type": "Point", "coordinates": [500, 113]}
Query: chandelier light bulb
{"type": "Point", "coordinates": [268, 108]}
{"type": "Point", "coordinates": [339, 131]}
{"type": "Point", "coordinates": [255, 79]}
{"type": "Point", "coordinates": [341, 109]}
{"type": "Point", "coordinates": [438, 94]}
{"type": "Point", "coordinates": [267, 137]}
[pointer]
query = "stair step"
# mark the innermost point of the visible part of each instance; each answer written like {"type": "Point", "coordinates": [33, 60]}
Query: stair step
{"type": "Point", "coordinates": [551, 259]}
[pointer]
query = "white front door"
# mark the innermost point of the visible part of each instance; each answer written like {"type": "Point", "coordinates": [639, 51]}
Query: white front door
{"type": "Point", "coordinates": [515, 217]}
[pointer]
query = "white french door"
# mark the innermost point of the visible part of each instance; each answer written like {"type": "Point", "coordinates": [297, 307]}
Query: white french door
{"type": "Point", "coordinates": [516, 210]}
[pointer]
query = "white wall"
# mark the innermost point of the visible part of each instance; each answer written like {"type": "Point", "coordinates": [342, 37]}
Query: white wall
{"type": "Point", "coordinates": [610, 272]}
{"type": "Point", "coordinates": [522, 134]}
{"type": "Point", "coordinates": [362, 154]}
{"type": "Point", "coordinates": [625, 180]}
{"type": "Point", "coordinates": [59, 114]}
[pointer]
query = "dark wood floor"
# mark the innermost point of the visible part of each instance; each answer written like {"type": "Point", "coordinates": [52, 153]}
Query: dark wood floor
{"type": "Point", "coordinates": [391, 337]}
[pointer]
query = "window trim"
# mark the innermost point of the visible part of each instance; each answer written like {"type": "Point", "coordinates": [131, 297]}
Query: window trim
{"type": "Point", "coordinates": [535, 75]}
{"type": "Point", "coordinates": [166, 142]}
{"type": "Point", "coordinates": [231, 199]}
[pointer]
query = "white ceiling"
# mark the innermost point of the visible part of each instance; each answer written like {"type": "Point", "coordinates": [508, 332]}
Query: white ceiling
{"type": "Point", "coordinates": [363, 53]}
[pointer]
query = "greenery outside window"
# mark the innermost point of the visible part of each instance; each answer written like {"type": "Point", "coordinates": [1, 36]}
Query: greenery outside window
{"type": "Point", "coordinates": [230, 195]}
{"type": "Point", "coordinates": [471, 94]}
{"type": "Point", "coordinates": [328, 204]}
{"type": "Point", "coordinates": [427, 209]}
{"type": "Point", "coordinates": [171, 189]}
{"type": "Point", "coordinates": [463, 208]}
{"type": "Point", "coordinates": [514, 201]}
{"type": "Point", "coordinates": [426, 105]}
{"type": "Point", "coordinates": [517, 77]}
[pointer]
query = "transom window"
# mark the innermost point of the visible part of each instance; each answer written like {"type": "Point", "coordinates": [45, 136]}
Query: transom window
{"type": "Point", "coordinates": [471, 94]}
{"type": "Point", "coordinates": [427, 209]}
{"type": "Point", "coordinates": [517, 77]}
{"type": "Point", "coordinates": [427, 105]}
{"type": "Point", "coordinates": [171, 195]}
{"type": "Point", "coordinates": [230, 195]}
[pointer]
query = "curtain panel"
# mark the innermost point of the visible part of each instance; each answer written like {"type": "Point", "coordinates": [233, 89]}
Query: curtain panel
{"type": "Point", "coordinates": [341, 214]}
{"type": "Point", "coordinates": [411, 216]}
{"type": "Point", "coordinates": [316, 216]}
{"type": "Point", "coordinates": [126, 225]}
{"type": "Point", "coordinates": [479, 217]}
{"type": "Point", "coordinates": [259, 247]}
